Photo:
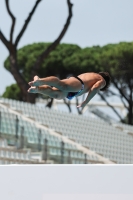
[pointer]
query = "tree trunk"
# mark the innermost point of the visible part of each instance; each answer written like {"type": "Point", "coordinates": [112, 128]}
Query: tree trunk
{"type": "Point", "coordinates": [23, 85]}
{"type": "Point", "coordinates": [78, 109]}
{"type": "Point", "coordinates": [130, 114]}
{"type": "Point", "coordinates": [31, 98]}
{"type": "Point", "coordinates": [12, 48]}
{"type": "Point", "coordinates": [50, 103]}
{"type": "Point", "coordinates": [68, 104]}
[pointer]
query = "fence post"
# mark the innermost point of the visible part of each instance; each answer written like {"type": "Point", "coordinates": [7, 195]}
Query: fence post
{"type": "Point", "coordinates": [85, 159]}
{"type": "Point", "coordinates": [16, 128]}
{"type": "Point", "coordinates": [22, 138]}
{"type": "Point", "coordinates": [0, 123]}
{"type": "Point", "coordinates": [62, 152]}
{"type": "Point", "coordinates": [39, 140]}
{"type": "Point", "coordinates": [69, 161]}
{"type": "Point", "coordinates": [45, 150]}
{"type": "Point", "coordinates": [16, 131]}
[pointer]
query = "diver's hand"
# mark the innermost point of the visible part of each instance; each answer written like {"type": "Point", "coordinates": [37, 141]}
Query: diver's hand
{"type": "Point", "coordinates": [82, 105]}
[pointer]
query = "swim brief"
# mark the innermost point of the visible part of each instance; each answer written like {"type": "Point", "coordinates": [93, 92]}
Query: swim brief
{"type": "Point", "coordinates": [71, 95]}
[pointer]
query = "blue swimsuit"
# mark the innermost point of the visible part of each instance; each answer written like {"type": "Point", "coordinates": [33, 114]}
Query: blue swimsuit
{"type": "Point", "coordinates": [71, 95]}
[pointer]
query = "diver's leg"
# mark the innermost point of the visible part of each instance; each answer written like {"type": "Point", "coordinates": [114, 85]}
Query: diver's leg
{"type": "Point", "coordinates": [51, 81]}
{"type": "Point", "coordinates": [47, 90]}
{"type": "Point", "coordinates": [68, 85]}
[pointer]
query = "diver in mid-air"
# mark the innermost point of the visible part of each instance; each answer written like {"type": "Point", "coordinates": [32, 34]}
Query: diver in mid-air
{"type": "Point", "coordinates": [73, 86]}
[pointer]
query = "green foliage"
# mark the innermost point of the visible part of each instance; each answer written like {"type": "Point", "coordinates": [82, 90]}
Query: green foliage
{"type": "Point", "coordinates": [117, 58]}
{"type": "Point", "coordinates": [13, 92]}
{"type": "Point", "coordinates": [54, 64]}
{"type": "Point", "coordinates": [71, 59]}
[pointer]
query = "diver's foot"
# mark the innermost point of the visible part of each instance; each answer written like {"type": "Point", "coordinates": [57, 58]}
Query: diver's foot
{"type": "Point", "coordinates": [36, 81]}
{"type": "Point", "coordinates": [33, 90]}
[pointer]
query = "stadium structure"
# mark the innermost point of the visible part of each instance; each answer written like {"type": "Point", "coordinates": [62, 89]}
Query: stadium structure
{"type": "Point", "coordinates": [37, 135]}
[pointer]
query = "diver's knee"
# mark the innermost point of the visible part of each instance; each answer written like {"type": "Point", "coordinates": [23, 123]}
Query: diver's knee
{"type": "Point", "coordinates": [58, 95]}
{"type": "Point", "coordinates": [64, 86]}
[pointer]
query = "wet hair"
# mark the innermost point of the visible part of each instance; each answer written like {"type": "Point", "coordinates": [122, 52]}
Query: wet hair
{"type": "Point", "coordinates": [107, 78]}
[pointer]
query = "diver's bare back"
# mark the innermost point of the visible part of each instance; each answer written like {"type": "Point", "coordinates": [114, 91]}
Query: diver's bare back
{"type": "Point", "coordinates": [89, 80]}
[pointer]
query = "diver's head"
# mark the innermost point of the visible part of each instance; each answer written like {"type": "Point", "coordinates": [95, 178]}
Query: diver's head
{"type": "Point", "coordinates": [107, 78]}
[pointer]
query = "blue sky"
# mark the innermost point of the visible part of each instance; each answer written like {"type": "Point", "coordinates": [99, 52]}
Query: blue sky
{"type": "Point", "coordinates": [94, 22]}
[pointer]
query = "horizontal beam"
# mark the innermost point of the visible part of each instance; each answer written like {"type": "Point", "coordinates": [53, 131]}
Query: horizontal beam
{"type": "Point", "coordinates": [95, 103]}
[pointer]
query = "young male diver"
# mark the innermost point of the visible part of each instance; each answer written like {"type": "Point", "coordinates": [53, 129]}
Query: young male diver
{"type": "Point", "coordinates": [71, 87]}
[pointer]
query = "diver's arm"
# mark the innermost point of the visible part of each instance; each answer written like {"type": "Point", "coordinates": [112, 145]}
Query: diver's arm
{"type": "Point", "coordinates": [93, 91]}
